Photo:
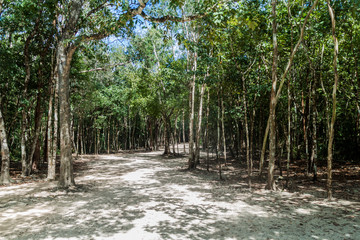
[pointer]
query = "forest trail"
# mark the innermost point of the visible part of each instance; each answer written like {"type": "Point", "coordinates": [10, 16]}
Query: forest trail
{"type": "Point", "coordinates": [144, 195]}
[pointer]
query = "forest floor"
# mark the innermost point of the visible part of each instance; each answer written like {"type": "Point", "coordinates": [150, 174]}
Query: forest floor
{"type": "Point", "coordinates": [145, 195]}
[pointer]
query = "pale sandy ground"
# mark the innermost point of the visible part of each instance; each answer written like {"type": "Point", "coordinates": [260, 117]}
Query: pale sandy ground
{"type": "Point", "coordinates": [146, 196]}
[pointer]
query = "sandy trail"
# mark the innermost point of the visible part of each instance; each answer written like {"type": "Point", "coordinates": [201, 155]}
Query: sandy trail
{"type": "Point", "coordinates": [146, 196]}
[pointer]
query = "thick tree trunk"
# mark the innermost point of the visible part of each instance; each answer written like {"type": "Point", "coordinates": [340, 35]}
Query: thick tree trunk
{"type": "Point", "coordinates": [65, 55]}
{"type": "Point", "coordinates": [333, 116]}
{"type": "Point", "coordinates": [5, 153]}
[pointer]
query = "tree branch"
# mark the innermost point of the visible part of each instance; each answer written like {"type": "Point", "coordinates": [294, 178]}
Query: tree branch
{"type": "Point", "coordinates": [179, 19]}
{"type": "Point", "coordinates": [104, 68]}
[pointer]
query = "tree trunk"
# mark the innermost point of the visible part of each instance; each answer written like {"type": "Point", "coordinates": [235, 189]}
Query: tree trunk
{"type": "Point", "coordinates": [223, 125]}
{"type": "Point", "coordinates": [5, 153]}
{"type": "Point", "coordinates": [191, 162]}
{"type": "Point", "coordinates": [36, 134]}
{"type": "Point", "coordinates": [273, 100]}
{"type": "Point", "coordinates": [65, 55]}
{"type": "Point", "coordinates": [26, 167]}
{"type": "Point", "coordinates": [263, 149]}
{"type": "Point", "coordinates": [218, 135]}
{"type": "Point", "coordinates": [288, 137]}
{"type": "Point", "coordinates": [207, 130]}
{"type": "Point", "coordinates": [246, 132]}
{"type": "Point", "coordinates": [108, 138]}
{"type": "Point", "coordinates": [272, 125]}
{"type": "Point", "coordinates": [333, 116]}
{"type": "Point", "coordinates": [199, 125]}
{"type": "Point", "coordinates": [183, 130]}
{"type": "Point", "coordinates": [54, 143]}
{"type": "Point", "coordinates": [313, 159]}
{"type": "Point", "coordinates": [51, 175]}
{"type": "Point", "coordinates": [167, 134]}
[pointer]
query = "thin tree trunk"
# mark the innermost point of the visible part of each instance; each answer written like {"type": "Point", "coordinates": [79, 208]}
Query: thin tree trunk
{"type": "Point", "coordinates": [283, 77]}
{"type": "Point", "coordinates": [272, 124]}
{"type": "Point", "coordinates": [263, 149]}
{"type": "Point", "coordinates": [333, 116]}
{"type": "Point", "coordinates": [49, 131]}
{"type": "Point", "coordinates": [313, 159]}
{"type": "Point", "coordinates": [166, 134]}
{"type": "Point", "coordinates": [223, 126]}
{"type": "Point", "coordinates": [191, 162]}
{"type": "Point", "coordinates": [288, 138]}
{"type": "Point", "coordinates": [218, 136]}
{"type": "Point", "coordinates": [199, 125]}
{"type": "Point", "coordinates": [207, 130]}
{"type": "Point", "coordinates": [108, 138]}
{"type": "Point", "coordinates": [26, 167]}
{"type": "Point", "coordinates": [246, 133]}
{"type": "Point", "coordinates": [54, 143]}
{"type": "Point", "coordinates": [183, 130]}
{"type": "Point", "coordinates": [38, 116]}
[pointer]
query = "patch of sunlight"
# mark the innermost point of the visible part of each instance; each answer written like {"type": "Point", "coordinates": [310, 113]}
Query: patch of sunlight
{"type": "Point", "coordinates": [140, 176]}
{"type": "Point", "coordinates": [305, 211]}
{"type": "Point", "coordinates": [20, 213]}
{"type": "Point", "coordinates": [111, 157]}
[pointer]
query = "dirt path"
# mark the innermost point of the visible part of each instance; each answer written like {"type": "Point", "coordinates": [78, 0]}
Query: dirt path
{"type": "Point", "coordinates": [145, 196]}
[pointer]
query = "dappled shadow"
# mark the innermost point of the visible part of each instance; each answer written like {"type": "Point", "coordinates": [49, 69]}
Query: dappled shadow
{"type": "Point", "coordinates": [145, 195]}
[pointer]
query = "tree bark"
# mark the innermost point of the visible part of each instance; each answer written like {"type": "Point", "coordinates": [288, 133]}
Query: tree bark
{"type": "Point", "coordinates": [65, 55]}
{"type": "Point", "coordinates": [36, 134]}
{"type": "Point", "coordinates": [54, 143]}
{"type": "Point", "coordinates": [218, 135]}
{"type": "Point", "coordinates": [223, 125]}
{"type": "Point", "coordinates": [333, 116]}
{"type": "Point", "coordinates": [199, 125]}
{"type": "Point", "coordinates": [191, 162]}
{"type": "Point", "coordinates": [5, 153]}
{"type": "Point", "coordinates": [272, 126]}
{"type": "Point", "coordinates": [273, 101]}
{"type": "Point", "coordinates": [207, 130]}
{"type": "Point", "coordinates": [246, 132]}
{"type": "Point", "coordinates": [26, 167]}
{"type": "Point", "coordinates": [183, 130]}
{"type": "Point", "coordinates": [50, 175]}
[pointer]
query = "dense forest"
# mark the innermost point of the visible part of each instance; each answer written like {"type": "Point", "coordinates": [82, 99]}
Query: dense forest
{"type": "Point", "coordinates": [262, 82]}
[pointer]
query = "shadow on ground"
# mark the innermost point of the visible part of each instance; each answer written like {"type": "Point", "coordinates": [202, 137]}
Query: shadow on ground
{"type": "Point", "coordinates": [148, 196]}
